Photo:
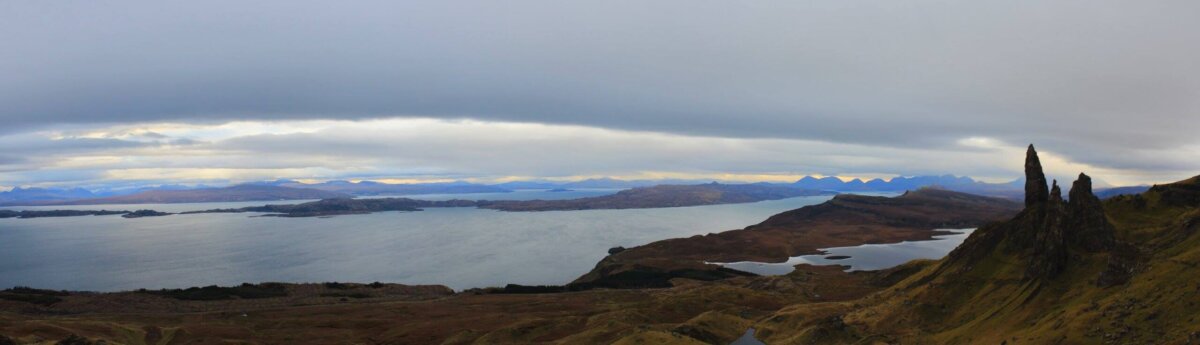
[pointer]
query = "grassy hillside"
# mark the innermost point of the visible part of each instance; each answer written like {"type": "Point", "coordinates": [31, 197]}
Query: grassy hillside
{"type": "Point", "coordinates": [1001, 285]}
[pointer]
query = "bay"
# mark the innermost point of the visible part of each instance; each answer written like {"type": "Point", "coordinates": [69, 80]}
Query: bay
{"type": "Point", "coordinates": [458, 247]}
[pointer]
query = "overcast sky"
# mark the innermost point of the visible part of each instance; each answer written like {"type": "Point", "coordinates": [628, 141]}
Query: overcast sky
{"type": "Point", "coordinates": [208, 91]}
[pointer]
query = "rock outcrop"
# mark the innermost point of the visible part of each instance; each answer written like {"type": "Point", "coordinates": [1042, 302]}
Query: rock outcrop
{"type": "Point", "coordinates": [1055, 192]}
{"type": "Point", "coordinates": [1089, 228]}
{"type": "Point", "coordinates": [1035, 180]}
{"type": "Point", "coordinates": [1048, 229]}
{"type": "Point", "coordinates": [1072, 269]}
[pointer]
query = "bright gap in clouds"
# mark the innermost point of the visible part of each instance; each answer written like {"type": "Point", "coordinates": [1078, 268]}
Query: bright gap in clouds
{"type": "Point", "coordinates": [407, 150]}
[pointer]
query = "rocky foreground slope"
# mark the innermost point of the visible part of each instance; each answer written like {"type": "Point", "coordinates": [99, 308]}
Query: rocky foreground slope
{"type": "Point", "coordinates": [1122, 271]}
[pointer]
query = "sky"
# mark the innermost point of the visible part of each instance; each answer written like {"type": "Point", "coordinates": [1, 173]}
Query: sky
{"type": "Point", "coordinates": [150, 92]}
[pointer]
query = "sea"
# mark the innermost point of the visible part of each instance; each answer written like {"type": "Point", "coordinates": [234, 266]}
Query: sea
{"type": "Point", "coordinates": [458, 247]}
{"type": "Point", "coordinates": [866, 257]}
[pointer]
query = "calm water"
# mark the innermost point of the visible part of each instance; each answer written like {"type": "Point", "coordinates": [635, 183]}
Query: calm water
{"type": "Point", "coordinates": [458, 247]}
{"type": "Point", "coordinates": [525, 194]}
{"type": "Point", "coordinates": [747, 339]}
{"type": "Point", "coordinates": [865, 257]}
{"type": "Point", "coordinates": [520, 194]}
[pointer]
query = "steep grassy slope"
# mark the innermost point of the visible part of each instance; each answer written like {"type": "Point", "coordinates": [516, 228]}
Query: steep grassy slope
{"type": "Point", "coordinates": [1039, 279]}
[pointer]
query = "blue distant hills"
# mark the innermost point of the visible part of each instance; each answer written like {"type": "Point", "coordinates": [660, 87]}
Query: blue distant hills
{"type": "Point", "coordinates": [902, 183]}
{"type": "Point", "coordinates": [1014, 189]}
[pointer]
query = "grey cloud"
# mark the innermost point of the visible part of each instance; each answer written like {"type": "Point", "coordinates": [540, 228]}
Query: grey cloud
{"type": "Point", "coordinates": [152, 135]}
{"type": "Point", "coordinates": [183, 141]}
{"type": "Point", "coordinates": [469, 149]}
{"type": "Point", "coordinates": [1108, 83]}
{"type": "Point", "coordinates": [35, 145]}
{"type": "Point", "coordinates": [11, 160]}
{"type": "Point", "coordinates": [917, 74]}
{"type": "Point", "coordinates": [448, 149]}
{"type": "Point", "coordinates": [71, 177]}
{"type": "Point", "coordinates": [88, 144]}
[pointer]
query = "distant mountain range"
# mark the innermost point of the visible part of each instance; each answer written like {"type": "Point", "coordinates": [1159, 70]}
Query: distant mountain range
{"type": "Point", "coordinates": [595, 183]}
{"type": "Point", "coordinates": [1105, 193]}
{"type": "Point", "coordinates": [339, 188]}
{"type": "Point", "coordinates": [662, 196]}
{"type": "Point", "coordinates": [378, 188]}
{"type": "Point", "coordinates": [226, 194]}
{"type": "Point", "coordinates": [901, 183]}
{"type": "Point", "coordinates": [17, 195]}
{"type": "Point", "coordinates": [1011, 190]}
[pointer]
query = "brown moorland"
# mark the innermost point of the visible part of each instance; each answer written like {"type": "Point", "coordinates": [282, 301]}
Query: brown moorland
{"type": "Point", "coordinates": [690, 312]}
{"type": "Point", "coordinates": [846, 220]}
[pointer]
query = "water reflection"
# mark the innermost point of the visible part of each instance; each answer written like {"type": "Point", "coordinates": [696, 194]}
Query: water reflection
{"type": "Point", "coordinates": [458, 247]}
{"type": "Point", "coordinates": [747, 339]}
{"type": "Point", "coordinates": [866, 257]}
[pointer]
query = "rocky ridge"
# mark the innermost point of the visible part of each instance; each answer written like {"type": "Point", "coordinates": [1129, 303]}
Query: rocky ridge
{"type": "Point", "coordinates": [1076, 271]}
{"type": "Point", "coordinates": [1047, 230]}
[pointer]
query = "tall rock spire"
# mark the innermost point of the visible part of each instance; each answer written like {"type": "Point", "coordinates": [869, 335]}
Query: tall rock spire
{"type": "Point", "coordinates": [1055, 192]}
{"type": "Point", "coordinates": [1089, 227]}
{"type": "Point", "coordinates": [1048, 232]}
{"type": "Point", "coordinates": [1035, 181]}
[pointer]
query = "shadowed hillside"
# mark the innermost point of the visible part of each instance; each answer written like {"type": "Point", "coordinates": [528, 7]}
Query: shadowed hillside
{"type": "Point", "coordinates": [1078, 272]}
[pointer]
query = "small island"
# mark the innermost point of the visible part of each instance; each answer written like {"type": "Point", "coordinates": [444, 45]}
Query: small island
{"type": "Point", "coordinates": [56, 213]}
{"type": "Point", "coordinates": [343, 206]}
{"type": "Point", "coordinates": [145, 213]}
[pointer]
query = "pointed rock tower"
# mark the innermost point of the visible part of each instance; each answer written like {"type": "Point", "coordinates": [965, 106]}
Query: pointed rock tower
{"type": "Point", "coordinates": [1055, 192]}
{"type": "Point", "coordinates": [1088, 227]}
{"type": "Point", "coordinates": [1044, 235]}
{"type": "Point", "coordinates": [1035, 180]}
